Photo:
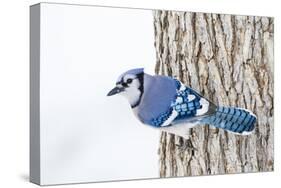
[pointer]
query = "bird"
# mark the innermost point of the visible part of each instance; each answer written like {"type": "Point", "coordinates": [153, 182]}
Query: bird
{"type": "Point", "coordinates": [165, 103]}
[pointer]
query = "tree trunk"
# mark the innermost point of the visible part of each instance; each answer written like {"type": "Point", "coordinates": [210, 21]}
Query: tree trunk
{"type": "Point", "coordinates": [229, 60]}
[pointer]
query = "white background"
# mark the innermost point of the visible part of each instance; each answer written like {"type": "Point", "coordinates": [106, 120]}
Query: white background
{"type": "Point", "coordinates": [14, 94]}
{"type": "Point", "coordinates": [87, 136]}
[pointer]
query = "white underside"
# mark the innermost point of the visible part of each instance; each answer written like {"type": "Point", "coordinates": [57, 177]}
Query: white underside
{"type": "Point", "coordinates": [179, 129]}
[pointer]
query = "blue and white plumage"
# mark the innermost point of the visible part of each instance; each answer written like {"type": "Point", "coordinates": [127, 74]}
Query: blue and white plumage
{"type": "Point", "coordinates": [167, 104]}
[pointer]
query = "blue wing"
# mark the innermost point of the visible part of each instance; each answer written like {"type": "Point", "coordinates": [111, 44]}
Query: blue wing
{"type": "Point", "coordinates": [187, 105]}
{"type": "Point", "coordinates": [187, 102]}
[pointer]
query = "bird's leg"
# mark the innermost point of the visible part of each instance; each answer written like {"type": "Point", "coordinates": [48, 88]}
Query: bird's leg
{"type": "Point", "coordinates": [186, 144]}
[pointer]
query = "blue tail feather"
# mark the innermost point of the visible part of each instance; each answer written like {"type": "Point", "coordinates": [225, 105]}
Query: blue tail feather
{"type": "Point", "coordinates": [236, 120]}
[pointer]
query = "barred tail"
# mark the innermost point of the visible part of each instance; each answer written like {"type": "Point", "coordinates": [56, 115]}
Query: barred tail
{"type": "Point", "coordinates": [236, 120]}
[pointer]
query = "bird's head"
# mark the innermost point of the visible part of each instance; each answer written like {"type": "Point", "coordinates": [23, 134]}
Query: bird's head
{"type": "Point", "coordinates": [130, 85]}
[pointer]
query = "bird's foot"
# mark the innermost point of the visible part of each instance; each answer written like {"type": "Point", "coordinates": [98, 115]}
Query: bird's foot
{"type": "Point", "coordinates": [186, 145]}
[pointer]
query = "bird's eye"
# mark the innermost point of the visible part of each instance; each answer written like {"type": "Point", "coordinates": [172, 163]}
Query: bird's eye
{"type": "Point", "coordinates": [129, 80]}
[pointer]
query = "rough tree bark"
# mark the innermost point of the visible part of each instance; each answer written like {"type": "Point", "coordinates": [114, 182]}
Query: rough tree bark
{"type": "Point", "coordinates": [228, 59]}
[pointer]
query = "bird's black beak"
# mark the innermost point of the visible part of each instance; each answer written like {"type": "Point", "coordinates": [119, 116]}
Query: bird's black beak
{"type": "Point", "coordinates": [115, 91]}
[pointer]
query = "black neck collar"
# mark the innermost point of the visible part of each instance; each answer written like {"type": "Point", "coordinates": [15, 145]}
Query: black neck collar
{"type": "Point", "coordinates": [140, 78]}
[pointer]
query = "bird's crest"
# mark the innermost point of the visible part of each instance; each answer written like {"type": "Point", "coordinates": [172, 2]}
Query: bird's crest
{"type": "Point", "coordinates": [131, 71]}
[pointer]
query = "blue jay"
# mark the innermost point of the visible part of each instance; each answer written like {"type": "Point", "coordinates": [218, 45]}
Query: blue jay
{"type": "Point", "coordinates": [167, 104]}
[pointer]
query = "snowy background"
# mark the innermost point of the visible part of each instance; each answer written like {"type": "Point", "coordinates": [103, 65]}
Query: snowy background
{"type": "Point", "coordinates": [86, 136]}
